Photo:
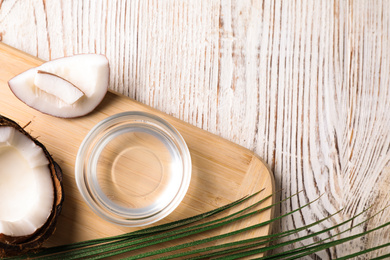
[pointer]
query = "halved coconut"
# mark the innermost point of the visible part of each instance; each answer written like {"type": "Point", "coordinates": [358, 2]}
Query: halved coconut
{"type": "Point", "coordinates": [66, 87]}
{"type": "Point", "coordinates": [31, 192]}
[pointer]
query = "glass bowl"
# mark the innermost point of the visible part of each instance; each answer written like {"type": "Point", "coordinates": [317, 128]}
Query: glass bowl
{"type": "Point", "coordinates": [133, 168]}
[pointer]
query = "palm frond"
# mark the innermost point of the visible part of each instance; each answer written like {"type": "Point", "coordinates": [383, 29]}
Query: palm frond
{"type": "Point", "coordinates": [146, 239]}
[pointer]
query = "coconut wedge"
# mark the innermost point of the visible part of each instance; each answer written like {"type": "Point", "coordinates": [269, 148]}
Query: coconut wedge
{"type": "Point", "coordinates": [31, 192]}
{"type": "Point", "coordinates": [66, 87]}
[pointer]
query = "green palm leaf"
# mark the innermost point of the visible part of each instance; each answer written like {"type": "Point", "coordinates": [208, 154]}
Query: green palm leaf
{"type": "Point", "coordinates": [148, 238]}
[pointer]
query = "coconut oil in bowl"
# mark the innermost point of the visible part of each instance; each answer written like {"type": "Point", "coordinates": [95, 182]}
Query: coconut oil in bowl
{"type": "Point", "coordinates": [133, 168]}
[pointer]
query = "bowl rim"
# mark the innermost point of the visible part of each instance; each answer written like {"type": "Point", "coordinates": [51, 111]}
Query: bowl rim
{"type": "Point", "coordinates": [82, 175]}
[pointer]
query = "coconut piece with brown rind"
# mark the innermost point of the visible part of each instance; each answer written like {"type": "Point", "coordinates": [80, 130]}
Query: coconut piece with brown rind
{"type": "Point", "coordinates": [10, 245]}
{"type": "Point", "coordinates": [55, 93]}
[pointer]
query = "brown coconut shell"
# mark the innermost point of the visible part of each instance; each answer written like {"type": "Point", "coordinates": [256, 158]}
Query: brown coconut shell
{"type": "Point", "coordinates": [10, 246]}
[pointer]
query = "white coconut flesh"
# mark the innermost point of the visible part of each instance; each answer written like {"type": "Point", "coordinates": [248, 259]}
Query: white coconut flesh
{"type": "Point", "coordinates": [63, 89]}
{"type": "Point", "coordinates": [66, 87]}
{"type": "Point", "coordinates": [26, 188]}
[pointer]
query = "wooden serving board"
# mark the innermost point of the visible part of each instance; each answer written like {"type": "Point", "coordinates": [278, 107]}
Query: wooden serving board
{"type": "Point", "coordinates": [221, 173]}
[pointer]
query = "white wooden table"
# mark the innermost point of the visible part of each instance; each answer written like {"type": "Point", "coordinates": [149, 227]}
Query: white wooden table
{"type": "Point", "coordinates": [304, 84]}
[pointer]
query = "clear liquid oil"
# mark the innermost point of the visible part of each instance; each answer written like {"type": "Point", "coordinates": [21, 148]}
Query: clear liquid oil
{"type": "Point", "coordinates": [138, 170]}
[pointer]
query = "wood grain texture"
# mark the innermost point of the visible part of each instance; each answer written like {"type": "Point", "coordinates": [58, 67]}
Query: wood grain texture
{"type": "Point", "coordinates": [304, 84]}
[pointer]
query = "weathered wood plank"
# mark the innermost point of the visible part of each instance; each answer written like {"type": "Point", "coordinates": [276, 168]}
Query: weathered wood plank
{"type": "Point", "coordinates": [304, 84]}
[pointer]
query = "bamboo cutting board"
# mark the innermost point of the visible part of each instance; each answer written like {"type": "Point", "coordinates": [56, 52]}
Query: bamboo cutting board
{"type": "Point", "coordinates": [221, 171]}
